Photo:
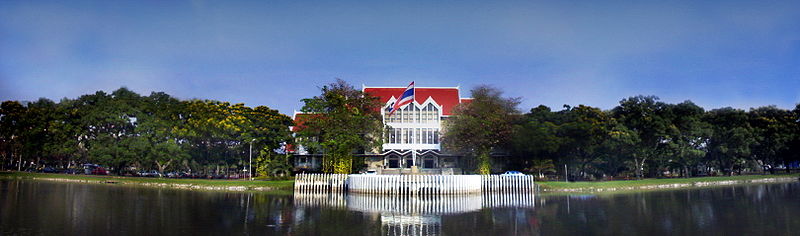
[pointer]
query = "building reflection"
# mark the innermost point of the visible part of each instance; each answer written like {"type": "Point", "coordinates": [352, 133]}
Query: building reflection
{"type": "Point", "coordinates": [413, 215]}
{"type": "Point", "coordinates": [397, 225]}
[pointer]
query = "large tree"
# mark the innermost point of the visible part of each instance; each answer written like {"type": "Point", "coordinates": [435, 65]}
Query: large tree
{"type": "Point", "coordinates": [584, 130]}
{"type": "Point", "coordinates": [731, 139]}
{"type": "Point", "coordinates": [481, 125]}
{"type": "Point", "coordinates": [645, 117]}
{"type": "Point", "coordinates": [12, 114]}
{"type": "Point", "coordinates": [686, 136]}
{"type": "Point", "coordinates": [535, 137]}
{"type": "Point", "coordinates": [345, 120]}
{"type": "Point", "coordinates": [774, 130]}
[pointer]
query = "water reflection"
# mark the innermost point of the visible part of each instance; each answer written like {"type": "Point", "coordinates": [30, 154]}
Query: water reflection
{"type": "Point", "coordinates": [50, 208]}
{"type": "Point", "coordinates": [412, 215]}
{"type": "Point", "coordinates": [403, 204]}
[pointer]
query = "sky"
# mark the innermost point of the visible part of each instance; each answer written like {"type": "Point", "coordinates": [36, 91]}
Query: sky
{"type": "Point", "coordinates": [741, 54]}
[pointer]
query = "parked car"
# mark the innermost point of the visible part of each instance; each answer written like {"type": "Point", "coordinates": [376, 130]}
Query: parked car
{"type": "Point", "coordinates": [513, 173]}
{"type": "Point", "coordinates": [152, 173]}
{"type": "Point", "coordinates": [49, 170]}
{"type": "Point", "coordinates": [94, 169]}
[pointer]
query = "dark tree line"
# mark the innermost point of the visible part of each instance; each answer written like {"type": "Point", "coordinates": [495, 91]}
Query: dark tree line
{"type": "Point", "coordinates": [123, 129]}
{"type": "Point", "coordinates": [644, 137]}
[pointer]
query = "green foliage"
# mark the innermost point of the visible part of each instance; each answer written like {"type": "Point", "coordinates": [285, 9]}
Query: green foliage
{"type": "Point", "coordinates": [275, 166]}
{"type": "Point", "coordinates": [542, 166]}
{"type": "Point", "coordinates": [344, 120]}
{"type": "Point", "coordinates": [477, 127]}
{"type": "Point", "coordinates": [645, 137]}
{"type": "Point", "coordinates": [123, 129]}
{"type": "Point", "coordinates": [731, 139]}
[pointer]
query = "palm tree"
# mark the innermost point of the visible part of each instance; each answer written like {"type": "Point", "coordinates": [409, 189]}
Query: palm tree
{"type": "Point", "coordinates": [542, 166]}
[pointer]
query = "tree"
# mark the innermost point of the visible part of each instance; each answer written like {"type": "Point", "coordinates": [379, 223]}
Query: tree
{"type": "Point", "coordinates": [583, 131]}
{"type": "Point", "coordinates": [535, 137]}
{"type": "Point", "coordinates": [485, 123]}
{"type": "Point", "coordinates": [619, 148]}
{"type": "Point", "coordinates": [644, 116]}
{"type": "Point", "coordinates": [687, 135]}
{"type": "Point", "coordinates": [12, 114]}
{"type": "Point", "coordinates": [346, 120]}
{"type": "Point", "coordinates": [273, 164]}
{"type": "Point", "coordinates": [731, 138]}
{"type": "Point", "coordinates": [774, 130]}
{"type": "Point", "coordinates": [542, 166]}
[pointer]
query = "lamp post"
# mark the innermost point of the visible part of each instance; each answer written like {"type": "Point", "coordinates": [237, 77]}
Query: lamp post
{"type": "Point", "coordinates": [250, 166]}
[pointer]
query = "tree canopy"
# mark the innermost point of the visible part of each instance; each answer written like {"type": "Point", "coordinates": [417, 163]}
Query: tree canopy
{"type": "Point", "coordinates": [344, 120]}
{"type": "Point", "coordinates": [481, 125]}
{"type": "Point", "coordinates": [126, 131]}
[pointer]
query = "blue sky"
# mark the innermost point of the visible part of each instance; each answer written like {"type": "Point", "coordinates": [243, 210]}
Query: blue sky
{"type": "Point", "coordinates": [715, 53]}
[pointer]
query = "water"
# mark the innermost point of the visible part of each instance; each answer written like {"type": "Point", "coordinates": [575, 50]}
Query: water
{"type": "Point", "coordinates": [53, 208]}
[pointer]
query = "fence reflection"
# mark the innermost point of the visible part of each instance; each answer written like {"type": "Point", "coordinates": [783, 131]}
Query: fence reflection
{"type": "Point", "coordinates": [413, 214]}
{"type": "Point", "coordinates": [421, 204]}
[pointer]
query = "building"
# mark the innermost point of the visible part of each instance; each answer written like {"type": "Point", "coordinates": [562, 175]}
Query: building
{"type": "Point", "coordinates": [412, 137]}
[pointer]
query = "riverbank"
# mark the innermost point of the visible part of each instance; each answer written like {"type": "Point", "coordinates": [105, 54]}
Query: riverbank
{"type": "Point", "coordinates": [194, 184]}
{"type": "Point", "coordinates": [651, 184]}
{"type": "Point", "coordinates": [287, 185]}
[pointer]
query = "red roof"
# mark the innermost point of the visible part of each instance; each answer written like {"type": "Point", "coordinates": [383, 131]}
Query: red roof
{"type": "Point", "coordinates": [448, 98]}
{"type": "Point", "coordinates": [299, 119]}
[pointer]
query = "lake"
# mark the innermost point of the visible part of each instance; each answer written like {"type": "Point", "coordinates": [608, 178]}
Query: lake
{"type": "Point", "coordinates": [56, 208]}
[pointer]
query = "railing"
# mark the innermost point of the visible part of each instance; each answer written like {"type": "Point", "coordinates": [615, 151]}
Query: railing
{"type": "Point", "coordinates": [414, 185]}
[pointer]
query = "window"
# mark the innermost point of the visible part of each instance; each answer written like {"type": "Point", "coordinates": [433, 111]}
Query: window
{"type": "Point", "coordinates": [429, 162]}
{"type": "Point", "coordinates": [424, 115]}
{"type": "Point", "coordinates": [429, 136]}
{"type": "Point", "coordinates": [391, 135]}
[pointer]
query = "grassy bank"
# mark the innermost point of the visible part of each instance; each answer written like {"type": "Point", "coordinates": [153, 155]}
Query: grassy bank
{"type": "Point", "coordinates": [624, 185]}
{"type": "Point", "coordinates": [201, 184]}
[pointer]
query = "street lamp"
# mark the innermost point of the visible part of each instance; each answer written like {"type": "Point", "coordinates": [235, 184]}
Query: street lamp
{"type": "Point", "coordinates": [250, 166]}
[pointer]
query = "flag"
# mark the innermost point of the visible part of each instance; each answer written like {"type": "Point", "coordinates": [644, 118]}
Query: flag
{"type": "Point", "coordinates": [406, 98]}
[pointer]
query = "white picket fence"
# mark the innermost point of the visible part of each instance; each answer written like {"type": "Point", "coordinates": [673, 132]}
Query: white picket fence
{"type": "Point", "coordinates": [413, 185]}
{"type": "Point", "coordinates": [415, 205]}
{"type": "Point", "coordinates": [317, 183]}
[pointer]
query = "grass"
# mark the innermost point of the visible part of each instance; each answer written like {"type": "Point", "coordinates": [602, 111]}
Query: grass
{"type": "Point", "coordinates": [272, 184]}
{"type": "Point", "coordinates": [614, 184]}
{"type": "Point", "coordinates": [286, 185]}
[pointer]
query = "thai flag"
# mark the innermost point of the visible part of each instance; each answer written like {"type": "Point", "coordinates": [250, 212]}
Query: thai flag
{"type": "Point", "coordinates": [406, 98]}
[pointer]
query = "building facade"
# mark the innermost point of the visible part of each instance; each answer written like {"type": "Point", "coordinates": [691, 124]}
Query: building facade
{"type": "Point", "coordinates": [412, 134]}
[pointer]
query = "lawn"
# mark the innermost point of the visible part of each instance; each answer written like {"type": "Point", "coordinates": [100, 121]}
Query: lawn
{"type": "Point", "coordinates": [556, 186]}
{"type": "Point", "coordinates": [272, 184]}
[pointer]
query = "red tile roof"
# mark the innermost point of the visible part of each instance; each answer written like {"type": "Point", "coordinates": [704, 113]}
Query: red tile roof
{"type": "Point", "coordinates": [448, 98]}
{"type": "Point", "coordinates": [299, 119]}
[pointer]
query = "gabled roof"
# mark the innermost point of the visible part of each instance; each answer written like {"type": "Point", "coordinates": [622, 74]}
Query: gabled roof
{"type": "Point", "coordinates": [447, 97]}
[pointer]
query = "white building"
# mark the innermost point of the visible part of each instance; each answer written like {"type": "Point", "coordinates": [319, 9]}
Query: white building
{"type": "Point", "coordinates": [412, 137]}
